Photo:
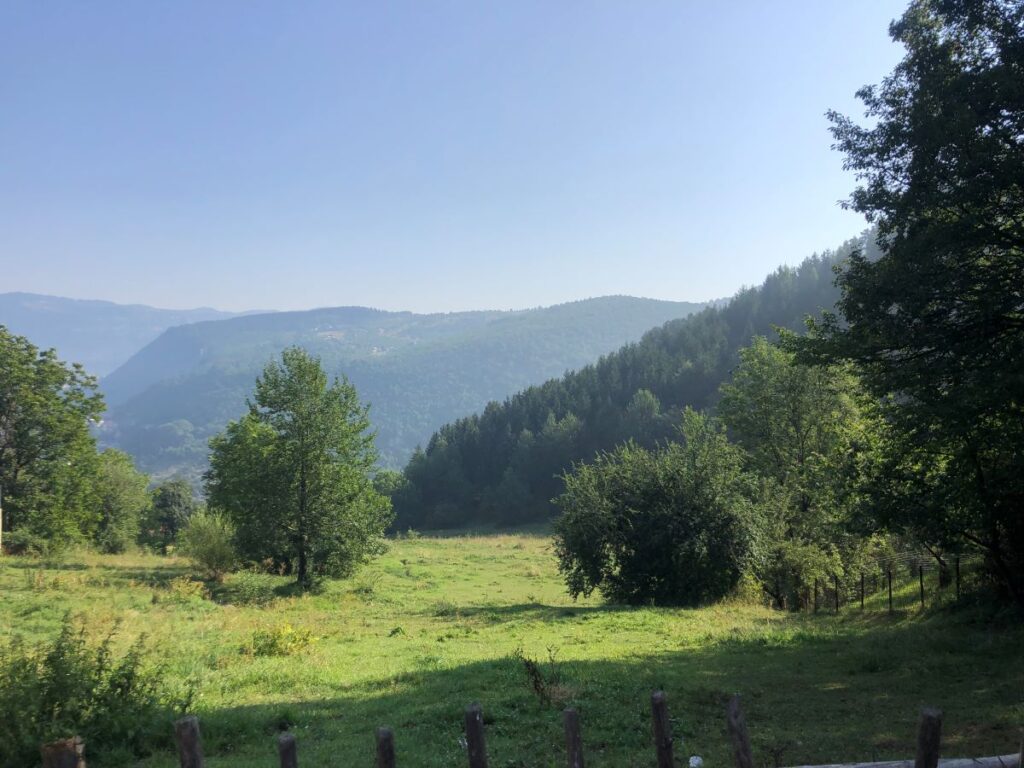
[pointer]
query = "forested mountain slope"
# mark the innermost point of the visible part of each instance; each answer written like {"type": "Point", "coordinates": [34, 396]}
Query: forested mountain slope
{"type": "Point", "coordinates": [417, 371]}
{"type": "Point", "coordinates": [100, 335]}
{"type": "Point", "coordinates": [501, 466]}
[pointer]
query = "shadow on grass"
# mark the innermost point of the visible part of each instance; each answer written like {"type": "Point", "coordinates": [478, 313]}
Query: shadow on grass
{"type": "Point", "coordinates": [534, 611]}
{"type": "Point", "coordinates": [815, 693]}
{"type": "Point", "coordinates": [535, 530]}
{"type": "Point", "coordinates": [25, 563]}
{"type": "Point", "coordinates": [150, 576]}
{"type": "Point", "coordinates": [259, 589]}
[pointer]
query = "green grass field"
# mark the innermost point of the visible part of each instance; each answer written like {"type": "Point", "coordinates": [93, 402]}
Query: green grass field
{"type": "Point", "coordinates": [435, 624]}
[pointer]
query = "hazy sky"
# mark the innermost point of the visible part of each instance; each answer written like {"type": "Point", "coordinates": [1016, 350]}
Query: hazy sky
{"type": "Point", "coordinates": [423, 155]}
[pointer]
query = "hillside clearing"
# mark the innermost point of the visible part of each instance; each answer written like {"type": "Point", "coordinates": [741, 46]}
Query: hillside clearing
{"type": "Point", "coordinates": [436, 623]}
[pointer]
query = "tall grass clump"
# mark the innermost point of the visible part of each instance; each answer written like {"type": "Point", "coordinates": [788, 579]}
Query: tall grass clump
{"type": "Point", "coordinates": [208, 540]}
{"type": "Point", "coordinates": [72, 686]}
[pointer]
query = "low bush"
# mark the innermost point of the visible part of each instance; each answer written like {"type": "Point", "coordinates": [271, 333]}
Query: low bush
{"type": "Point", "coordinates": [247, 588]}
{"type": "Point", "coordinates": [282, 640]}
{"type": "Point", "coordinates": [71, 686]}
{"type": "Point", "coordinates": [184, 590]}
{"type": "Point", "coordinates": [544, 678]}
{"type": "Point", "coordinates": [445, 608]}
{"type": "Point", "coordinates": [23, 542]}
{"type": "Point", "coordinates": [366, 587]}
{"type": "Point", "coordinates": [208, 541]}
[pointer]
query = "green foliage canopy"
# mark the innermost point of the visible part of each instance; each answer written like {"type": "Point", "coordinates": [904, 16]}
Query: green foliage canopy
{"type": "Point", "coordinates": [808, 430]}
{"type": "Point", "coordinates": [174, 502]}
{"type": "Point", "coordinates": [124, 500]}
{"type": "Point", "coordinates": [673, 526]}
{"type": "Point", "coordinates": [935, 326]}
{"type": "Point", "coordinates": [47, 455]}
{"type": "Point", "coordinates": [294, 473]}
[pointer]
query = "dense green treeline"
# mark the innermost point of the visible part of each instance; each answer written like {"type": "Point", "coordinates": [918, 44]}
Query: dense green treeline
{"type": "Point", "coordinates": [897, 419]}
{"type": "Point", "coordinates": [503, 466]}
{"type": "Point", "coordinates": [57, 489]}
{"type": "Point", "coordinates": [935, 327]}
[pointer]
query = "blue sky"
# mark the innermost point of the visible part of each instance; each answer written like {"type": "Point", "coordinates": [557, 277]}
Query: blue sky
{"type": "Point", "coordinates": [423, 155]}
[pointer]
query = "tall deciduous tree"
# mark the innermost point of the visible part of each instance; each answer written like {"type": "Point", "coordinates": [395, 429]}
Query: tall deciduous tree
{"type": "Point", "coordinates": [124, 499]}
{"type": "Point", "coordinates": [47, 456]}
{"type": "Point", "coordinates": [174, 503]}
{"type": "Point", "coordinates": [295, 472]}
{"type": "Point", "coordinates": [936, 324]}
{"type": "Point", "coordinates": [806, 429]}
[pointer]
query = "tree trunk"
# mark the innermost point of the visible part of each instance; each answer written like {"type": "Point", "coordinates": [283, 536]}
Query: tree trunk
{"type": "Point", "coordinates": [303, 574]}
{"type": "Point", "coordinates": [994, 544]}
{"type": "Point", "coordinates": [303, 570]}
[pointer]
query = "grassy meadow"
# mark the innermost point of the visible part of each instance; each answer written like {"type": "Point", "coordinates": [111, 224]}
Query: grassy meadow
{"type": "Point", "coordinates": [439, 622]}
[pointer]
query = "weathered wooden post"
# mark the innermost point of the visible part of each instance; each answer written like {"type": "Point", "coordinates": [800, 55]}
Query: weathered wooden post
{"type": "Point", "coordinates": [835, 584]}
{"type": "Point", "coordinates": [573, 738]}
{"type": "Point", "coordinates": [190, 745]}
{"type": "Point", "coordinates": [889, 574]}
{"type": "Point", "coordinates": [929, 734]}
{"type": "Point", "coordinates": [920, 578]}
{"type": "Point", "coordinates": [288, 750]}
{"type": "Point", "coordinates": [738, 735]}
{"type": "Point", "coordinates": [385, 748]}
{"type": "Point", "coordinates": [662, 729]}
{"type": "Point", "coordinates": [66, 753]}
{"type": "Point", "coordinates": [475, 736]}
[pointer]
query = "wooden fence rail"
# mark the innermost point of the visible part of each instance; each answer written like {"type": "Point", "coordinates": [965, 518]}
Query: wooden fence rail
{"type": "Point", "coordinates": [69, 753]}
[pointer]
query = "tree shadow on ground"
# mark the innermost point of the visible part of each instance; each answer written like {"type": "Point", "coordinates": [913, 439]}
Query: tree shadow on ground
{"type": "Point", "coordinates": [150, 575]}
{"type": "Point", "coordinates": [535, 611]}
{"type": "Point", "coordinates": [810, 696]}
{"type": "Point", "coordinates": [34, 564]}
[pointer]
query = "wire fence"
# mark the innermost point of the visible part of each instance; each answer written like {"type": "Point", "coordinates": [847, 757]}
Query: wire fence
{"type": "Point", "coordinates": [903, 582]}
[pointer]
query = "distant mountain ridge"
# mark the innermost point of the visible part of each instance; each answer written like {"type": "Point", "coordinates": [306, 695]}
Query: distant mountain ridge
{"type": "Point", "coordinates": [417, 370]}
{"type": "Point", "coordinates": [101, 335]}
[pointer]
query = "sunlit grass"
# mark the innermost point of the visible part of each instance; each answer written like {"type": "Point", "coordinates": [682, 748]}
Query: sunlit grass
{"type": "Point", "coordinates": [435, 623]}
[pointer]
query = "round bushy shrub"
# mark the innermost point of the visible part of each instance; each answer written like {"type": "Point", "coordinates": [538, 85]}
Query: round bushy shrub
{"type": "Point", "coordinates": [672, 526]}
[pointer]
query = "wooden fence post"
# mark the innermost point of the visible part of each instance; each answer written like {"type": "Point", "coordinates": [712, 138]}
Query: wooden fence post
{"type": "Point", "coordinates": [662, 729]}
{"type": "Point", "coordinates": [573, 738]}
{"type": "Point", "coordinates": [288, 750]}
{"type": "Point", "coordinates": [475, 736]}
{"type": "Point", "coordinates": [958, 583]}
{"type": "Point", "coordinates": [929, 734]}
{"type": "Point", "coordinates": [862, 590]}
{"type": "Point", "coordinates": [66, 753]}
{"type": "Point", "coordinates": [190, 745]}
{"type": "Point", "coordinates": [738, 735]}
{"type": "Point", "coordinates": [385, 748]}
{"type": "Point", "coordinates": [920, 577]}
{"type": "Point", "coordinates": [835, 584]}
{"type": "Point", "coordinates": [889, 574]}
